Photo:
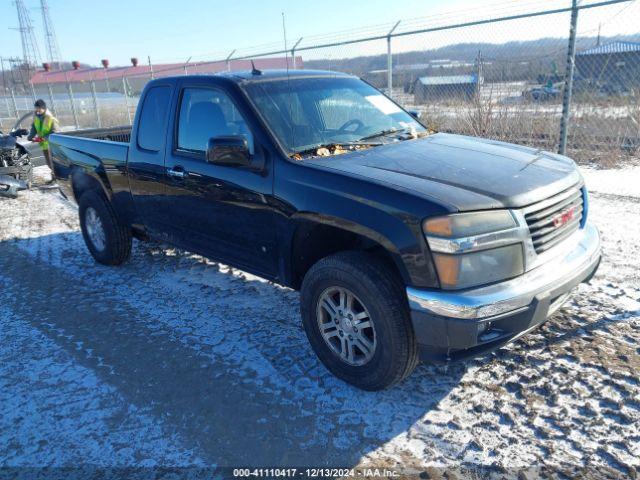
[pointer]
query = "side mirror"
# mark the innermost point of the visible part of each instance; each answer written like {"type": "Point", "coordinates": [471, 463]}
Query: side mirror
{"type": "Point", "coordinates": [21, 132]}
{"type": "Point", "coordinates": [417, 114]}
{"type": "Point", "coordinates": [230, 150]}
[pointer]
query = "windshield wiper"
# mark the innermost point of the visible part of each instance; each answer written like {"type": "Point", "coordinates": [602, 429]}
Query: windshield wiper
{"type": "Point", "coordinates": [382, 133]}
{"type": "Point", "coordinates": [349, 146]}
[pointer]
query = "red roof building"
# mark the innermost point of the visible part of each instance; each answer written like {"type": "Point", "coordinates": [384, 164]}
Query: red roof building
{"type": "Point", "coordinates": [43, 77]}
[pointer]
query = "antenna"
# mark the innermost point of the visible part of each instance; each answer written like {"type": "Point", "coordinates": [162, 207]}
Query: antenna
{"type": "Point", "coordinates": [254, 70]}
{"type": "Point", "coordinates": [286, 52]}
{"type": "Point", "coordinates": [51, 42]}
{"type": "Point", "coordinates": [30, 51]}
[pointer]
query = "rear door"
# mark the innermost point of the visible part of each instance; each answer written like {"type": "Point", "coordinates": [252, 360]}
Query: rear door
{"type": "Point", "coordinates": [223, 212]}
{"type": "Point", "coordinates": [145, 164]}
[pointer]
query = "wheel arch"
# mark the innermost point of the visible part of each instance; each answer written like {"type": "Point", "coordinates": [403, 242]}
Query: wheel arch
{"type": "Point", "coordinates": [317, 237]}
{"type": "Point", "coordinates": [83, 180]}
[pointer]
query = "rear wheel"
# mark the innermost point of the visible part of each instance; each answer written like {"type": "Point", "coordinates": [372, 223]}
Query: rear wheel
{"type": "Point", "coordinates": [106, 237]}
{"type": "Point", "coordinates": [357, 320]}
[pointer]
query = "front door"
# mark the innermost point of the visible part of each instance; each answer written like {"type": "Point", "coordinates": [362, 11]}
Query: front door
{"type": "Point", "coordinates": [222, 211]}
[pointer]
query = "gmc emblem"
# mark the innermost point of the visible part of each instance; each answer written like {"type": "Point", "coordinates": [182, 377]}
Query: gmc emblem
{"type": "Point", "coordinates": [564, 217]}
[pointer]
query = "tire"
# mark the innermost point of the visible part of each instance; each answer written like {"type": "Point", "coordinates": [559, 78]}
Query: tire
{"type": "Point", "coordinates": [378, 290]}
{"type": "Point", "coordinates": [113, 246]}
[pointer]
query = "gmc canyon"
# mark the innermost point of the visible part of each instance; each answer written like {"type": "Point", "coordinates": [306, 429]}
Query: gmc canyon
{"type": "Point", "coordinates": [405, 244]}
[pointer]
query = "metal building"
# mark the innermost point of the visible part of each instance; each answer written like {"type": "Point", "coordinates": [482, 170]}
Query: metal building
{"type": "Point", "coordinates": [431, 88]}
{"type": "Point", "coordinates": [614, 66]}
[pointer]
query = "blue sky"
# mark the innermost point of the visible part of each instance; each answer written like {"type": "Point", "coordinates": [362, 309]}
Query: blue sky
{"type": "Point", "coordinates": [178, 29]}
{"type": "Point", "coordinates": [167, 30]}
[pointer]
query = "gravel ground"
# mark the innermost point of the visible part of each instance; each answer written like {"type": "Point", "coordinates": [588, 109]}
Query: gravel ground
{"type": "Point", "coordinates": [176, 361]}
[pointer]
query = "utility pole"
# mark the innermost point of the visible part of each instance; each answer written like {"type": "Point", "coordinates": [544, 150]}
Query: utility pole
{"type": "Point", "coordinates": [568, 79]}
{"type": "Point", "coordinates": [51, 41]}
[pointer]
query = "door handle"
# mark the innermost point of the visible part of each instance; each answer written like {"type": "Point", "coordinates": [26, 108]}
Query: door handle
{"type": "Point", "coordinates": [177, 172]}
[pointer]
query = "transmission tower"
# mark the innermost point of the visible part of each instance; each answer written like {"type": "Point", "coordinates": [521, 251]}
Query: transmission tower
{"type": "Point", "coordinates": [51, 42]}
{"type": "Point", "coordinates": [30, 52]}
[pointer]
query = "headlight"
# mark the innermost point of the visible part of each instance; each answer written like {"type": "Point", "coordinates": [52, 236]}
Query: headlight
{"type": "Point", "coordinates": [476, 248]}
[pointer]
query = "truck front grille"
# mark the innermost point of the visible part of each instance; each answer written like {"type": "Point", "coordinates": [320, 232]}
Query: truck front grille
{"type": "Point", "coordinates": [553, 220]}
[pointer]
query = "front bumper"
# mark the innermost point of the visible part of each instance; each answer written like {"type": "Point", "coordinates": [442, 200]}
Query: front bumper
{"type": "Point", "coordinates": [456, 324]}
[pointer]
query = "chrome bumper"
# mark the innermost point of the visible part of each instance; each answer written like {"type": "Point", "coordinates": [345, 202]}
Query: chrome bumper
{"type": "Point", "coordinates": [531, 298]}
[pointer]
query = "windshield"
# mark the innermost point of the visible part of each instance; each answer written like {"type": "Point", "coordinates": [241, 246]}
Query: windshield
{"type": "Point", "coordinates": [305, 113]}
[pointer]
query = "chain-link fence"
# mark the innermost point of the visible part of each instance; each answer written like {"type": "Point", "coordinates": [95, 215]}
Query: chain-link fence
{"type": "Point", "coordinates": [566, 79]}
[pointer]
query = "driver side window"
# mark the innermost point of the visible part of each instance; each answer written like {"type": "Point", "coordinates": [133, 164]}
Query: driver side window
{"type": "Point", "coordinates": [206, 113]}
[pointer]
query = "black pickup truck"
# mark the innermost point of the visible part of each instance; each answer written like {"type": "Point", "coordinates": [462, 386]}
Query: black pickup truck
{"type": "Point", "coordinates": [405, 244]}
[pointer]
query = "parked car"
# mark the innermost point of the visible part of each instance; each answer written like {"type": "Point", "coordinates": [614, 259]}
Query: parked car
{"type": "Point", "coordinates": [405, 244]}
{"type": "Point", "coordinates": [542, 93]}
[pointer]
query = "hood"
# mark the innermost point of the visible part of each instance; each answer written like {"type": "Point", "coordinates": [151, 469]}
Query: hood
{"type": "Point", "coordinates": [462, 173]}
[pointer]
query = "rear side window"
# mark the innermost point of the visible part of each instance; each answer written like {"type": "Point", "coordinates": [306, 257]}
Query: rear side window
{"type": "Point", "coordinates": [153, 118]}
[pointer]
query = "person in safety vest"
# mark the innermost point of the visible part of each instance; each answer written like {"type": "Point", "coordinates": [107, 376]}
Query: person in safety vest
{"type": "Point", "coordinates": [44, 124]}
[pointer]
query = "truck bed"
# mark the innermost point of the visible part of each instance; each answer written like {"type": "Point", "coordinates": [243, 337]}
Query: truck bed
{"type": "Point", "coordinates": [95, 149]}
{"type": "Point", "coordinates": [121, 134]}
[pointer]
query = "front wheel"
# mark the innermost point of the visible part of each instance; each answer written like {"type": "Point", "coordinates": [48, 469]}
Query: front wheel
{"type": "Point", "coordinates": [106, 237]}
{"type": "Point", "coordinates": [357, 320]}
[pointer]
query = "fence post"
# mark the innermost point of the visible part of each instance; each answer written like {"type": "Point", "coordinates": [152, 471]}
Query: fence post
{"type": "Point", "coordinates": [6, 102]}
{"type": "Point", "coordinates": [53, 105]}
{"type": "Point", "coordinates": [293, 53]}
{"type": "Point", "coordinates": [126, 99]}
{"type": "Point", "coordinates": [95, 103]}
{"type": "Point", "coordinates": [13, 100]}
{"type": "Point", "coordinates": [568, 79]}
{"type": "Point", "coordinates": [390, 61]}
{"type": "Point", "coordinates": [228, 60]}
{"type": "Point", "coordinates": [73, 104]}
{"type": "Point", "coordinates": [33, 91]}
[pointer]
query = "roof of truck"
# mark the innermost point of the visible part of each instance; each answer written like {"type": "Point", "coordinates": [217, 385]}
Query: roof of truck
{"type": "Point", "coordinates": [280, 74]}
{"type": "Point", "coordinates": [265, 75]}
